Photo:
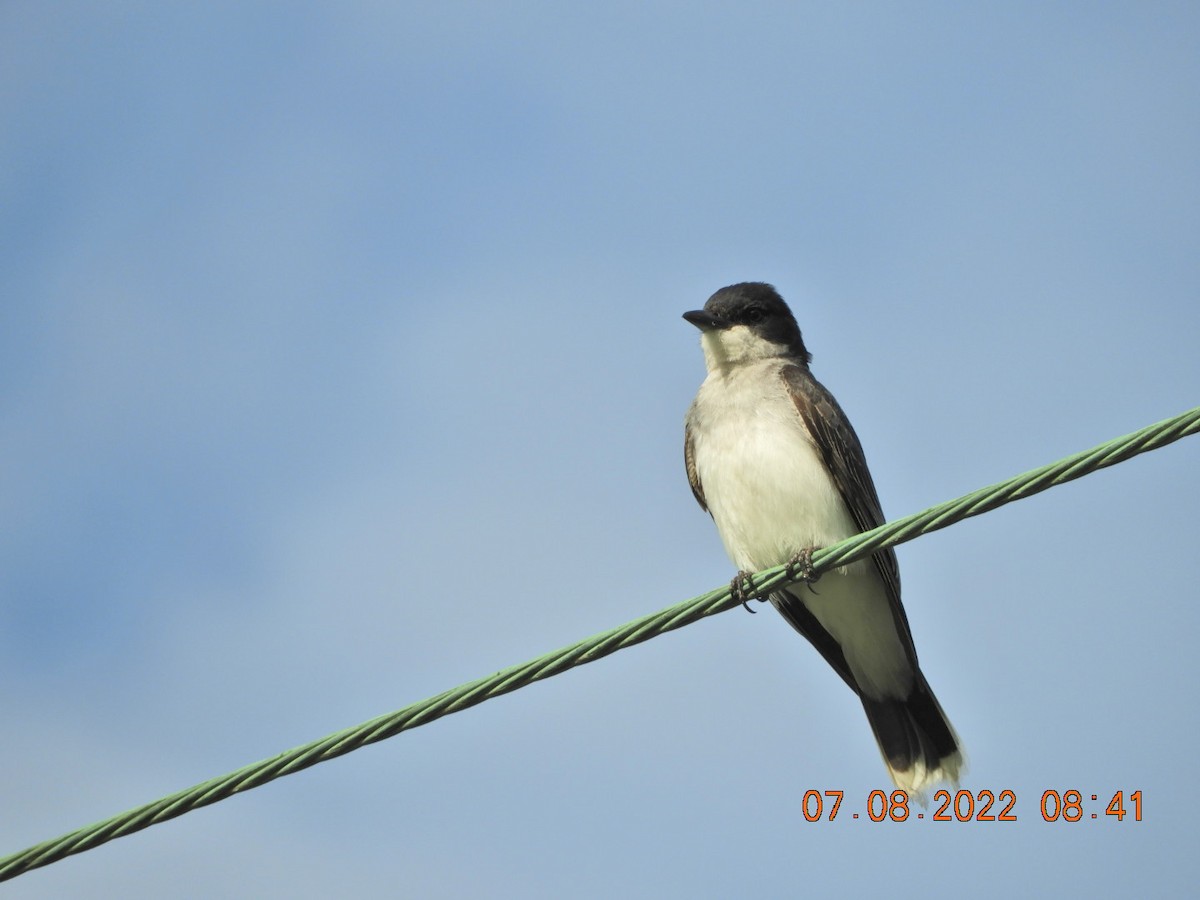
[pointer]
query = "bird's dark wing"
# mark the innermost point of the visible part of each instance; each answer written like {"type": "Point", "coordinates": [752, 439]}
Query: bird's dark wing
{"type": "Point", "coordinates": [843, 455]}
{"type": "Point", "coordinates": [689, 462]}
{"type": "Point", "coordinates": [792, 608]}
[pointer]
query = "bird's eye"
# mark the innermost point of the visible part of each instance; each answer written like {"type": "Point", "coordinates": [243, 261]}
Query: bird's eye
{"type": "Point", "coordinates": [753, 315]}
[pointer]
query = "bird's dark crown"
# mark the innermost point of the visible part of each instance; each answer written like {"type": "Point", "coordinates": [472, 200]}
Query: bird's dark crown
{"type": "Point", "coordinates": [759, 307]}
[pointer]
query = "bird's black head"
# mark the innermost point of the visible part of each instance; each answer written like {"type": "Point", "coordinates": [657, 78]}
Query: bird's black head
{"type": "Point", "coordinates": [747, 321]}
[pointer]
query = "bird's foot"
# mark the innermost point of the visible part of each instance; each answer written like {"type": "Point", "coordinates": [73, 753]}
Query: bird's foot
{"type": "Point", "coordinates": [800, 567]}
{"type": "Point", "coordinates": [743, 590]}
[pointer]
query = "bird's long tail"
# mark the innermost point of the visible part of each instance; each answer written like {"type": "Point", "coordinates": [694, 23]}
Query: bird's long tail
{"type": "Point", "coordinates": [918, 744]}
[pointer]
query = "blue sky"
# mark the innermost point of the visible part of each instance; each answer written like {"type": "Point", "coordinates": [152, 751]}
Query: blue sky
{"type": "Point", "coordinates": [341, 362]}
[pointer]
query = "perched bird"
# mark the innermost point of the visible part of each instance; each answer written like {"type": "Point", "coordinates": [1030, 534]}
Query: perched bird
{"type": "Point", "coordinates": [773, 459]}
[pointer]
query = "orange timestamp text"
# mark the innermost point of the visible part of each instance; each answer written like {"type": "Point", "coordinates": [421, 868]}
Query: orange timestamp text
{"type": "Point", "coordinates": [975, 806]}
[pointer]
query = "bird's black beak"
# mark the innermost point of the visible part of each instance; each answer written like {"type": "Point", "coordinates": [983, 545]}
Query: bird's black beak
{"type": "Point", "coordinates": [705, 321]}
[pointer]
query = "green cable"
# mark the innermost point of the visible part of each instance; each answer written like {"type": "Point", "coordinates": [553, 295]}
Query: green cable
{"type": "Point", "coordinates": [593, 648]}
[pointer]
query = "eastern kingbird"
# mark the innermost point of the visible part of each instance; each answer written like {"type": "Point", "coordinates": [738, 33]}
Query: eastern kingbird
{"type": "Point", "coordinates": [773, 459]}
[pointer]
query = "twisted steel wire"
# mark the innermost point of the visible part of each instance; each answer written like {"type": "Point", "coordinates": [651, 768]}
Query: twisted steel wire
{"type": "Point", "coordinates": [467, 695]}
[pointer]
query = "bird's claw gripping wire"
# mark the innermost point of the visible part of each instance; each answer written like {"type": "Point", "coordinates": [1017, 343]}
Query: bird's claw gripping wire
{"type": "Point", "coordinates": [800, 567]}
{"type": "Point", "coordinates": [742, 589]}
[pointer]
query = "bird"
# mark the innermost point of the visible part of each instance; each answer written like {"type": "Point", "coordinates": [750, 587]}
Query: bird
{"type": "Point", "coordinates": [773, 459]}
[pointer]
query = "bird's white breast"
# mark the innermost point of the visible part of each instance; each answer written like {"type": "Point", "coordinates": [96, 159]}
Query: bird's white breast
{"type": "Point", "coordinates": [764, 481]}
